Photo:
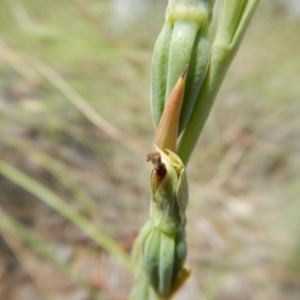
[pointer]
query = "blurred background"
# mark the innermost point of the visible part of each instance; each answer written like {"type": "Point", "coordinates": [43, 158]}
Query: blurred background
{"type": "Point", "coordinates": [75, 128]}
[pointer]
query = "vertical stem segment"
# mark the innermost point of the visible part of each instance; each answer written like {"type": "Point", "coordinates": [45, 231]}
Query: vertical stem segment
{"type": "Point", "coordinates": [234, 19]}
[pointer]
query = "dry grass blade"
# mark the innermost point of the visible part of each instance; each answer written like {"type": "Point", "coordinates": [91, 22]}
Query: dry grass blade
{"type": "Point", "coordinates": [6, 54]}
{"type": "Point", "coordinates": [16, 234]}
{"type": "Point", "coordinates": [26, 68]}
{"type": "Point", "coordinates": [57, 203]}
{"type": "Point", "coordinates": [76, 99]}
{"type": "Point", "coordinates": [58, 169]}
{"type": "Point", "coordinates": [23, 254]}
{"type": "Point", "coordinates": [89, 16]}
{"type": "Point", "coordinates": [87, 110]}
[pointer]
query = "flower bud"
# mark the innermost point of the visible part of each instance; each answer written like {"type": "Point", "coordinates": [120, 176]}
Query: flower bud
{"type": "Point", "coordinates": [162, 239]}
{"type": "Point", "coordinates": [169, 191]}
{"type": "Point", "coordinates": [182, 41]}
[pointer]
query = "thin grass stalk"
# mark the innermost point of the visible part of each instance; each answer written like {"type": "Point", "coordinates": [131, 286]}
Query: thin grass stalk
{"type": "Point", "coordinates": [58, 169]}
{"type": "Point", "coordinates": [34, 69]}
{"type": "Point", "coordinates": [58, 204]}
{"type": "Point", "coordinates": [25, 258]}
{"type": "Point", "coordinates": [38, 245]}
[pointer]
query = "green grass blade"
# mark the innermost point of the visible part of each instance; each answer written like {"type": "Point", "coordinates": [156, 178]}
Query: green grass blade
{"type": "Point", "coordinates": [59, 170]}
{"type": "Point", "coordinates": [65, 210]}
{"type": "Point", "coordinates": [37, 244]}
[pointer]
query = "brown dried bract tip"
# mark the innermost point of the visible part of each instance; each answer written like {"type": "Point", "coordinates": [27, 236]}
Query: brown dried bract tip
{"type": "Point", "coordinates": [159, 172]}
{"type": "Point", "coordinates": [184, 71]}
{"type": "Point", "coordinates": [159, 166]}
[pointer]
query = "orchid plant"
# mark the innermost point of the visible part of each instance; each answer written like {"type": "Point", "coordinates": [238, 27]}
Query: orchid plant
{"type": "Point", "coordinates": [187, 72]}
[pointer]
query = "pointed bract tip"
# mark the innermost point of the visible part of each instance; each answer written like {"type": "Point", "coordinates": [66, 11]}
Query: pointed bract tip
{"type": "Point", "coordinates": [183, 74]}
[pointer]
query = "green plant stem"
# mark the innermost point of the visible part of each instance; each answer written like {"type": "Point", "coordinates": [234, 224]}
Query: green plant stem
{"type": "Point", "coordinates": [65, 210]}
{"type": "Point", "coordinates": [223, 52]}
{"type": "Point", "coordinates": [202, 108]}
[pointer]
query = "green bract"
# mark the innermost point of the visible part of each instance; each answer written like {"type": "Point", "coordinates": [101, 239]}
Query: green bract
{"type": "Point", "coordinates": [182, 41]}
{"type": "Point", "coordinates": [143, 289]}
{"type": "Point", "coordinates": [162, 239]}
{"type": "Point", "coordinates": [233, 20]}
